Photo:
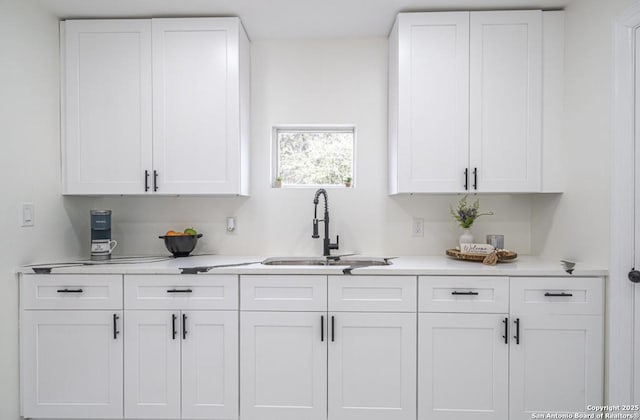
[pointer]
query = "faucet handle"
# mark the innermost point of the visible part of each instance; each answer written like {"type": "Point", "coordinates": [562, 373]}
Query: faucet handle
{"type": "Point", "coordinates": [337, 244]}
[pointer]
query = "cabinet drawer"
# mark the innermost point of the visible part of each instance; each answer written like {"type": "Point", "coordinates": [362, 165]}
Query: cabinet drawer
{"type": "Point", "coordinates": [181, 292]}
{"type": "Point", "coordinates": [373, 293]}
{"type": "Point", "coordinates": [71, 291]}
{"type": "Point", "coordinates": [283, 293]}
{"type": "Point", "coordinates": [557, 295]}
{"type": "Point", "coordinates": [463, 294]}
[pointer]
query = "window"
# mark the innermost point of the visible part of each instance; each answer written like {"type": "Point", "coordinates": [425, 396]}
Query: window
{"type": "Point", "coordinates": [314, 156]}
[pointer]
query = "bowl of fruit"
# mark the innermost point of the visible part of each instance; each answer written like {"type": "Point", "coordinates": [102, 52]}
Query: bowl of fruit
{"type": "Point", "coordinates": [181, 244]}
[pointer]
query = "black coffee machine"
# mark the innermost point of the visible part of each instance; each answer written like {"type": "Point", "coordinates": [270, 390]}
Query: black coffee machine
{"type": "Point", "coordinates": [101, 243]}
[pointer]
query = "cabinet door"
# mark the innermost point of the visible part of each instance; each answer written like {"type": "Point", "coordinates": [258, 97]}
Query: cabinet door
{"type": "Point", "coordinates": [210, 365]}
{"type": "Point", "coordinates": [283, 365]}
{"type": "Point", "coordinates": [196, 105]}
{"type": "Point", "coordinates": [433, 101]}
{"type": "Point", "coordinates": [462, 367]}
{"type": "Point", "coordinates": [506, 100]}
{"type": "Point", "coordinates": [152, 365]}
{"type": "Point", "coordinates": [558, 365]}
{"type": "Point", "coordinates": [72, 364]}
{"type": "Point", "coordinates": [372, 366]}
{"type": "Point", "coordinates": [107, 106]}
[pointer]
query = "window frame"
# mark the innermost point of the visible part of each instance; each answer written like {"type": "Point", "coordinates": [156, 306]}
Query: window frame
{"type": "Point", "coordinates": [310, 128]}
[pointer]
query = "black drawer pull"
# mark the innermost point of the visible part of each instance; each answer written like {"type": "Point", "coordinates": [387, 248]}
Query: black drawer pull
{"type": "Point", "coordinates": [184, 327]}
{"type": "Point", "coordinates": [475, 178]}
{"type": "Point", "coordinates": [517, 336]}
{"type": "Point", "coordinates": [173, 326]}
{"type": "Point", "coordinates": [155, 180]}
{"type": "Point", "coordinates": [506, 330]}
{"type": "Point", "coordinates": [180, 291]}
{"type": "Point", "coordinates": [70, 290]}
{"type": "Point", "coordinates": [321, 327]}
{"type": "Point", "coordinates": [115, 326]}
{"type": "Point", "coordinates": [563, 294]}
{"type": "Point", "coordinates": [466, 179]}
{"type": "Point", "coordinates": [469, 293]}
{"type": "Point", "coordinates": [333, 328]}
{"type": "Point", "coordinates": [146, 180]}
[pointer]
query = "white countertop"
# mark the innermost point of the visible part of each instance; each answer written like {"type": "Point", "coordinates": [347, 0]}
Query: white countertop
{"type": "Point", "coordinates": [415, 265]}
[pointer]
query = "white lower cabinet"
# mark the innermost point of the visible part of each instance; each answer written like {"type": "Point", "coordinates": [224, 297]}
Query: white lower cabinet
{"type": "Point", "coordinates": [181, 364]}
{"type": "Point", "coordinates": [364, 348]}
{"type": "Point", "coordinates": [372, 366]}
{"type": "Point", "coordinates": [152, 365]}
{"type": "Point", "coordinates": [283, 365]}
{"type": "Point", "coordinates": [556, 365]}
{"type": "Point", "coordinates": [210, 365]}
{"type": "Point", "coordinates": [553, 362]}
{"type": "Point", "coordinates": [463, 368]}
{"type": "Point", "coordinates": [72, 364]}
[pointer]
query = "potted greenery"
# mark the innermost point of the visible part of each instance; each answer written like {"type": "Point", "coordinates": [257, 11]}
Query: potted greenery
{"type": "Point", "coordinates": [278, 182]}
{"type": "Point", "coordinates": [347, 182]}
{"type": "Point", "coordinates": [465, 215]}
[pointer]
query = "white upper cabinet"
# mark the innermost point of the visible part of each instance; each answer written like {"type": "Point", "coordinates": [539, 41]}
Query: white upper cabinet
{"type": "Point", "coordinates": [506, 101]}
{"type": "Point", "coordinates": [431, 72]}
{"type": "Point", "coordinates": [106, 137]}
{"type": "Point", "coordinates": [197, 99]}
{"type": "Point", "coordinates": [193, 73]}
{"type": "Point", "coordinates": [466, 101]}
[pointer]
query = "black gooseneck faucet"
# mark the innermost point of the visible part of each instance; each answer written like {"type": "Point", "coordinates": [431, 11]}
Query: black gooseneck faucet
{"type": "Point", "coordinates": [328, 246]}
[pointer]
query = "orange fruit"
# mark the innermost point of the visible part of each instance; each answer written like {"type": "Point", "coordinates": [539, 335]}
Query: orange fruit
{"type": "Point", "coordinates": [172, 233]}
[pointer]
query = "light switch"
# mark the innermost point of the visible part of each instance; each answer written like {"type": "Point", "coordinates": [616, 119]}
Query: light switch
{"type": "Point", "coordinates": [28, 215]}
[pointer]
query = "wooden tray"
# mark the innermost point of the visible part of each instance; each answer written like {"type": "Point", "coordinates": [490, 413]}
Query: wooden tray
{"type": "Point", "coordinates": [503, 256]}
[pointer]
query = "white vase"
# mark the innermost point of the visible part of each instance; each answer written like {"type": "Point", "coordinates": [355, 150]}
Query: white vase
{"type": "Point", "coordinates": [466, 237]}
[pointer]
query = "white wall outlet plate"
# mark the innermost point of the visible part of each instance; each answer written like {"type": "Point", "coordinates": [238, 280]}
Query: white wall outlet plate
{"type": "Point", "coordinates": [28, 215]}
{"type": "Point", "coordinates": [417, 227]}
{"type": "Point", "coordinates": [231, 224]}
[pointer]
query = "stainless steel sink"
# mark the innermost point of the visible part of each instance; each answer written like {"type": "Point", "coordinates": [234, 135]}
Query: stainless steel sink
{"type": "Point", "coordinates": [346, 261]}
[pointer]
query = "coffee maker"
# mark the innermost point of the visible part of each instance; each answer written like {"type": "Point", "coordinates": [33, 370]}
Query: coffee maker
{"type": "Point", "coordinates": [101, 243]}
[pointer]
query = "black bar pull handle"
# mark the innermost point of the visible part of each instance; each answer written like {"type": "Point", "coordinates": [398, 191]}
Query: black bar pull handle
{"type": "Point", "coordinates": [333, 328]}
{"type": "Point", "coordinates": [180, 291]}
{"type": "Point", "coordinates": [321, 327]}
{"type": "Point", "coordinates": [563, 294]}
{"type": "Point", "coordinates": [517, 336]}
{"type": "Point", "coordinates": [184, 326]}
{"type": "Point", "coordinates": [70, 290]}
{"type": "Point", "coordinates": [115, 326]}
{"type": "Point", "coordinates": [174, 332]}
{"type": "Point", "coordinates": [469, 293]}
{"type": "Point", "coordinates": [146, 180]}
{"type": "Point", "coordinates": [466, 179]}
{"type": "Point", "coordinates": [155, 180]}
{"type": "Point", "coordinates": [475, 178]}
{"type": "Point", "coordinates": [506, 330]}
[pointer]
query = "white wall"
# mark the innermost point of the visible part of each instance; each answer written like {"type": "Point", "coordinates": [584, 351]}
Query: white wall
{"type": "Point", "coordinates": [576, 224]}
{"type": "Point", "coordinates": [312, 82]}
{"type": "Point", "coordinates": [29, 167]}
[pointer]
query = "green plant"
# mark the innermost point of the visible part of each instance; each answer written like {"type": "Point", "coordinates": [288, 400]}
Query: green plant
{"type": "Point", "coordinates": [465, 214]}
{"type": "Point", "coordinates": [347, 180]}
{"type": "Point", "coordinates": [279, 178]}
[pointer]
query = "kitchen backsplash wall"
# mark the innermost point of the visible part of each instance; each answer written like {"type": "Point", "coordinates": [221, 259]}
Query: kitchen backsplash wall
{"type": "Point", "coordinates": [311, 82]}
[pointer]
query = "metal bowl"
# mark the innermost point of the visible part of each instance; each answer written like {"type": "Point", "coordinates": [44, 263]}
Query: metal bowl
{"type": "Point", "coordinates": [181, 245]}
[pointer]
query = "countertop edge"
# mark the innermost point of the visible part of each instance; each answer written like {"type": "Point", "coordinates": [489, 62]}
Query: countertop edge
{"type": "Point", "coordinates": [524, 266]}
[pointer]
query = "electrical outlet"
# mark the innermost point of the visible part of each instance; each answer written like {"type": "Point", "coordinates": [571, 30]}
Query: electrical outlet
{"type": "Point", "coordinates": [417, 228]}
{"type": "Point", "coordinates": [231, 224]}
{"type": "Point", "coordinates": [28, 215]}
